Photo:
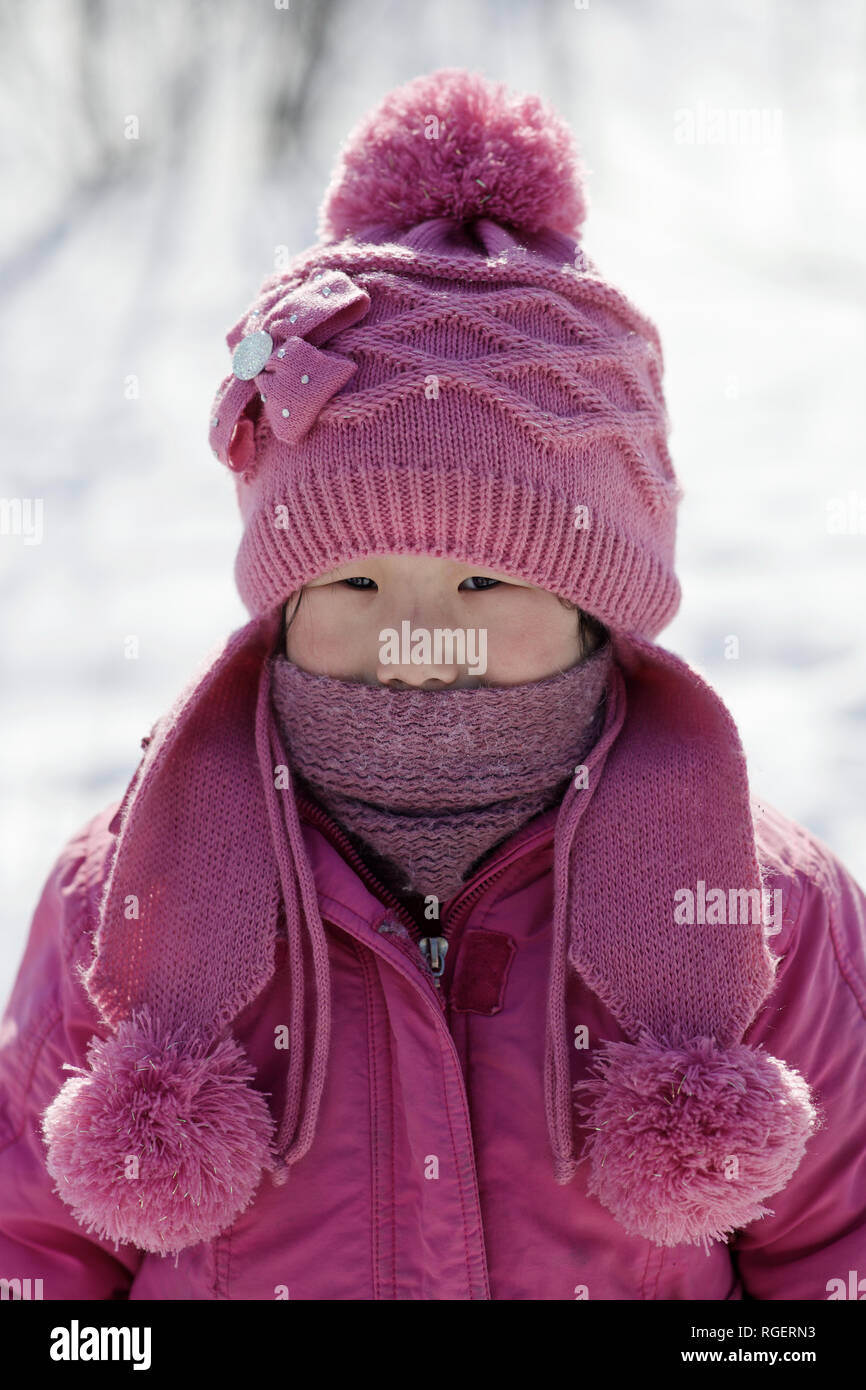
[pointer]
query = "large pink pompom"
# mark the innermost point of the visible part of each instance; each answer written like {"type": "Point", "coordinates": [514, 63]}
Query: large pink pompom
{"type": "Point", "coordinates": [452, 144]}
{"type": "Point", "coordinates": [161, 1144]}
{"type": "Point", "coordinates": [687, 1140]}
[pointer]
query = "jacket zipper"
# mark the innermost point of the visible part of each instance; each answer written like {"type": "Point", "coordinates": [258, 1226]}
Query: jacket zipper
{"type": "Point", "coordinates": [466, 900]}
{"type": "Point", "coordinates": [337, 836]}
{"type": "Point", "coordinates": [433, 948]}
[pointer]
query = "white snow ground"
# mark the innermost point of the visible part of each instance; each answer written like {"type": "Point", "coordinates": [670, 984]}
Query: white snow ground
{"type": "Point", "coordinates": [749, 257]}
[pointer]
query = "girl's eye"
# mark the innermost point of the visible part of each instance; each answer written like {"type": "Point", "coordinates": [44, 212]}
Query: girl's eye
{"type": "Point", "coordinates": [358, 581]}
{"type": "Point", "coordinates": [484, 580]}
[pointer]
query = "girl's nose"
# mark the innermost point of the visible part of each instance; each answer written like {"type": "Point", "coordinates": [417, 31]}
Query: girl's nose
{"type": "Point", "coordinates": [423, 677]}
{"type": "Point", "coordinates": [414, 650]}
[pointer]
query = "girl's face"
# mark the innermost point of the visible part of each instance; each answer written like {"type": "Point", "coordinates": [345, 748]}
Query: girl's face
{"type": "Point", "coordinates": [349, 624]}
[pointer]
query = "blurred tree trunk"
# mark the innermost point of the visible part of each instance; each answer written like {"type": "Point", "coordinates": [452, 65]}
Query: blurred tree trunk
{"type": "Point", "coordinates": [293, 60]}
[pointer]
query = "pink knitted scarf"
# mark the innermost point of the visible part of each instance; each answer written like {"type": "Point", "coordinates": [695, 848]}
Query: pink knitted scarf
{"type": "Point", "coordinates": [214, 855]}
{"type": "Point", "coordinates": [427, 783]}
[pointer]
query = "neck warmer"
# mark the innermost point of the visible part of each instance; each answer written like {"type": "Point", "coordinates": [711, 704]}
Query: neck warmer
{"type": "Point", "coordinates": [427, 783]}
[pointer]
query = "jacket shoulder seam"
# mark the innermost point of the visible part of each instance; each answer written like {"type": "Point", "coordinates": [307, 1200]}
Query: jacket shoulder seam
{"type": "Point", "coordinates": [847, 967]}
{"type": "Point", "coordinates": [816, 874]}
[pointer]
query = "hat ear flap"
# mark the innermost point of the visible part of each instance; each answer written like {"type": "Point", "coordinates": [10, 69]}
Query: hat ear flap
{"type": "Point", "coordinates": [162, 1140]}
{"type": "Point", "coordinates": [176, 930]}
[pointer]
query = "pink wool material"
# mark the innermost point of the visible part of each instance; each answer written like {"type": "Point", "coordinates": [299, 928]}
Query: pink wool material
{"type": "Point", "coordinates": [697, 1112]}
{"type": "Point", "coordinates": [189, 1122]}
{"type": "Point", "coordinates": [470, 386]}
{"type": "Point", "coordinates": [432, 780]}
{"type": "Point", "coordinates": [484, 394]}
{"type": "Point", "coordinates": [452, 145]}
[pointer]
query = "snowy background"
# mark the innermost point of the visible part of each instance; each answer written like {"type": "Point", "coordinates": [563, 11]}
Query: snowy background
{"type": "Point", "coordinates": [125, 260]}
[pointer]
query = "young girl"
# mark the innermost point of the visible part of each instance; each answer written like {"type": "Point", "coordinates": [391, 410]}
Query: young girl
{"type": "Point", "coordinates": [437, 949]}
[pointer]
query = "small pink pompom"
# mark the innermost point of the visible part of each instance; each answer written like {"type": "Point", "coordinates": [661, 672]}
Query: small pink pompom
{"type": "Point", "coordinates": [452, 144]}
{"type": "Point", "coordinates": [687, 1140]}
{"type": "Point", "coordinates": [160, 1144]}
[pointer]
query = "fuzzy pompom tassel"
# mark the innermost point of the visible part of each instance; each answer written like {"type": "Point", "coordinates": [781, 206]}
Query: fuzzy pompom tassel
{"type": "Point", "coordinates": [686, 1140]}
{"type": "Point", "coordinates": [453, 144]}
{"type": "Point", "coordinates": [163, 1142]}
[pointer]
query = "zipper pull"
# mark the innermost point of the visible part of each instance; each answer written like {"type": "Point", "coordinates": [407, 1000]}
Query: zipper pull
{"type": "Point", "coordinates": [434, 948]}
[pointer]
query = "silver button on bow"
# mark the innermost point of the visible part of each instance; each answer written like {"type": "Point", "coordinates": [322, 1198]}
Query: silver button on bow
{"type": "Point", "coordinates": [251, 354]}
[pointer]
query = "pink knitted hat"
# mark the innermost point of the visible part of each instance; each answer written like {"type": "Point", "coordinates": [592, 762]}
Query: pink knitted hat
{"type": "Point", "coordinates": [477, 389]}
{"type": "Point", "coordinates": [444, 372]}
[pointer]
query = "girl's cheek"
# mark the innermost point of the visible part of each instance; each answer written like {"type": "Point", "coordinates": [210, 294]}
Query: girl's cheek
{"type": "Point", "coordinates": [330, 642]}
{"type": "Point", "coordinates": [533, 645]}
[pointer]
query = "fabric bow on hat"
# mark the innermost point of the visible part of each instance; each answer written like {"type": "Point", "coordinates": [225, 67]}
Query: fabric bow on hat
{"type": "Point", "coordinates": [279, 357]}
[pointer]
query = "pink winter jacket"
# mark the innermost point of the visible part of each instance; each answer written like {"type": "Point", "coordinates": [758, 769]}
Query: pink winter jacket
{"type": "Point", "coordinates": [457, 1071]}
